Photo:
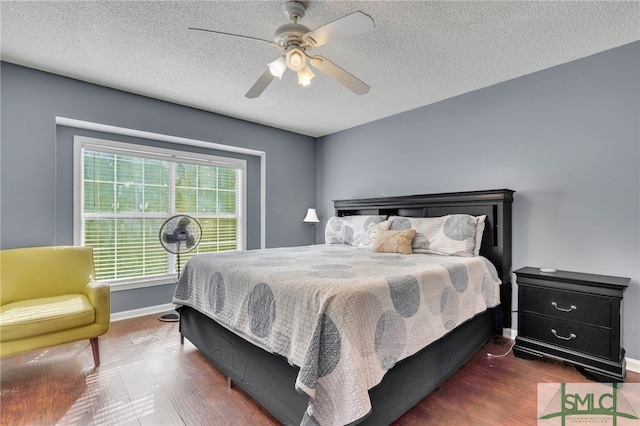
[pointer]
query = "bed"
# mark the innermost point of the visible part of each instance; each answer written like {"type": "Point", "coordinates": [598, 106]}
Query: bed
{"type": "Point", "coordinates": [371, 339]}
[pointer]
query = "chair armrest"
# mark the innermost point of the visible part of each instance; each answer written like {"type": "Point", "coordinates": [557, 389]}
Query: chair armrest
{"type": "Point", "coordinates": [99, 294]}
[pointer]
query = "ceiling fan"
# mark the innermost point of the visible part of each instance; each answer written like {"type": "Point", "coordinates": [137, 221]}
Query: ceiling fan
{"type": "Point", "coordinates": [295, 40]}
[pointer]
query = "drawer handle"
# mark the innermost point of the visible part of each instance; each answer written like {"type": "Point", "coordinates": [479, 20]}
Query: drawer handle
{"type": "Point", "coordinates": [571, 336]}
{"type": "Point", "coordinates": [555, 305]}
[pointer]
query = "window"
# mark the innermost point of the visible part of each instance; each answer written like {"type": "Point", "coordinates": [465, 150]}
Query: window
{"type": "Point", "coordinates": [124, 192]}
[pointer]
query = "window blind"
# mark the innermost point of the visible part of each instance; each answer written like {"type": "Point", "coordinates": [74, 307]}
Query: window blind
{"type": "Point", "coordinates": [129, 190]}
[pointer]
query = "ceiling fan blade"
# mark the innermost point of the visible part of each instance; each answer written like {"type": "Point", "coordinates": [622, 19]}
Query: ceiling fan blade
{"type": "Point", "coordinates": [273, 43]}
{"type": "Point", "coordinates": [341, 76]}
{"type": "Point", "coordinates": [349, 25]}
{"type": "Point", "coordinates": [259, 86]}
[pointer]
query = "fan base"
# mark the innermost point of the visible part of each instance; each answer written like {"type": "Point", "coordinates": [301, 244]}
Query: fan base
{"type": "Point", "coordinates": [172, 316]}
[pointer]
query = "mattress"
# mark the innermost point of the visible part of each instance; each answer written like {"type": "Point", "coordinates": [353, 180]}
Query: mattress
{"type": "Point", "coordinates": [343, 315]}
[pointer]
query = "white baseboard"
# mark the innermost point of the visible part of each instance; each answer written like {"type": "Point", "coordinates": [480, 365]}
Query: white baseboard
{"type": "Point", "coordinates": [135, 313]}
{"type": "Point", "coordinates": [509, 333]}
{"type": "Point", "coordinates": [633, 365]}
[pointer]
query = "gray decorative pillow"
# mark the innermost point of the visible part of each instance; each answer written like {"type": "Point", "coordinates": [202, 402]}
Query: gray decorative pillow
{"type": "Point", "coordinates": [450, 235]}
{"type": "Point", "coordinates": [355, 227]}
{"type": "Point", "coordinates": [333, 231]}
{"type": "Point", "coordinates": [373, 230]}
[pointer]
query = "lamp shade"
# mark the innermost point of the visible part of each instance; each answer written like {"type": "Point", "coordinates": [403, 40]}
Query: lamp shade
{"type": "Point", "coordinates": [311, 216]}
{"type": "Point", "coordinates": [278, 67]}
{"type": "Point", "coordinates": [305, 75]}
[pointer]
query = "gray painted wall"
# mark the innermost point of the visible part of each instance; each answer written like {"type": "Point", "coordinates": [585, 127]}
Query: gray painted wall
{"type": "Point", "coordinates": [566, 139]}
{"type": "Point", "coordinates": [36, 159]}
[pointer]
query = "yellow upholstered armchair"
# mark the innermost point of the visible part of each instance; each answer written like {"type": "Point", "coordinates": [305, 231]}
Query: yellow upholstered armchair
{"type": "Point", "coordinates": [49, 296]}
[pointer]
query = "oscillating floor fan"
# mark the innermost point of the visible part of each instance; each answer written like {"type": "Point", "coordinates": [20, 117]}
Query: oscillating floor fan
{"type": "Point", "coordinates": [178, 234]}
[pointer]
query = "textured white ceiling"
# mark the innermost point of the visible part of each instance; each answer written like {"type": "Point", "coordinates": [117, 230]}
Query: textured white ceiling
{"type": "Point", "coordinates": [420, 52]}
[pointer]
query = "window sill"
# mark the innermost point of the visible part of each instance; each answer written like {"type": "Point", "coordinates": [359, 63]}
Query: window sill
{"type": "Point", "coordinates": [142, 283]}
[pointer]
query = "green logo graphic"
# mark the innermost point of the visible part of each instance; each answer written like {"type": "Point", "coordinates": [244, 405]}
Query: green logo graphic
{"type": "Point", "coordinates": [612, 404]}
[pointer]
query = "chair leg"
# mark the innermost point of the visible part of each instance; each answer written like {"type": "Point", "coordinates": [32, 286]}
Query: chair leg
{"type": "Point", "coordinates": [96, 351]}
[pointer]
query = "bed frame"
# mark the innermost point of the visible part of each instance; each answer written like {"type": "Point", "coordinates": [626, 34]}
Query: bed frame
{"type": "Point", "coordinates": [270, 379]}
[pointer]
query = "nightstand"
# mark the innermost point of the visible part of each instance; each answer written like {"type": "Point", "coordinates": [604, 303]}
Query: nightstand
{"type": "Point", "coordinates": [573, 317]}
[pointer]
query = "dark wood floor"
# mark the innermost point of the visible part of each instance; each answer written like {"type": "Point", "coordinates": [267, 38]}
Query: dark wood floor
{"type": "Point", "coordinates": [148, 378]}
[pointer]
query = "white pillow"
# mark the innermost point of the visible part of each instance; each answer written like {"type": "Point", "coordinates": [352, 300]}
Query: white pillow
{"type": "Point", "coordinates": [450, 235]}
{"type": "Point", "coordinates": [354, 227]}
{"type": "Point", "coordinates": [479, 232]}
{"type": "Point", "coordinates": [333, 231]}
{"type": "Point", "coordinates": [372, 231]}
{"type": "Point", "coordinates": [456, 237]}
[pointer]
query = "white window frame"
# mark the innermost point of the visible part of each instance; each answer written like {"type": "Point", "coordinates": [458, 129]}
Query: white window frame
{"type": "Point", "coordinates": [80, 143]}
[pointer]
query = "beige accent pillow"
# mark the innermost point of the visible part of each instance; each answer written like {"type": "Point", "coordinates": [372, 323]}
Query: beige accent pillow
{"type": "Point", "coordinates": [394, 241]}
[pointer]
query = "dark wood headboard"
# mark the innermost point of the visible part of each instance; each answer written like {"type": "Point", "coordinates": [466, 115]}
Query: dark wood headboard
{"type": "Point", "coordinates": [496, 240]}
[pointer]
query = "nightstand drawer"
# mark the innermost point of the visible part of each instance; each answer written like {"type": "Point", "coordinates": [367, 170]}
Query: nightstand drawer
{"type": "Point", "coordinates": [568, 305]}
{"type": "Point", "coordinates": [581, 337]}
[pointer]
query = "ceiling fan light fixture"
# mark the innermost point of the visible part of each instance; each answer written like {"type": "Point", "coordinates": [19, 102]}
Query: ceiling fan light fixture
{"type": "Point", "coordinates": [305, 75]}
{"type": "Point", "coordinates": [296, 59]}
{"type": "Point", "coordinates": [295, 39]}
{"type": "Point", "coordinates": [278, 67]}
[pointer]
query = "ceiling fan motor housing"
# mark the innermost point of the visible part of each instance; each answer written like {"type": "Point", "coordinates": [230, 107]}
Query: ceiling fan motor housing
{"type": "Point", "coordinates": [290, 34]}
{"type": "Point", "coordinates": [295, 10]}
